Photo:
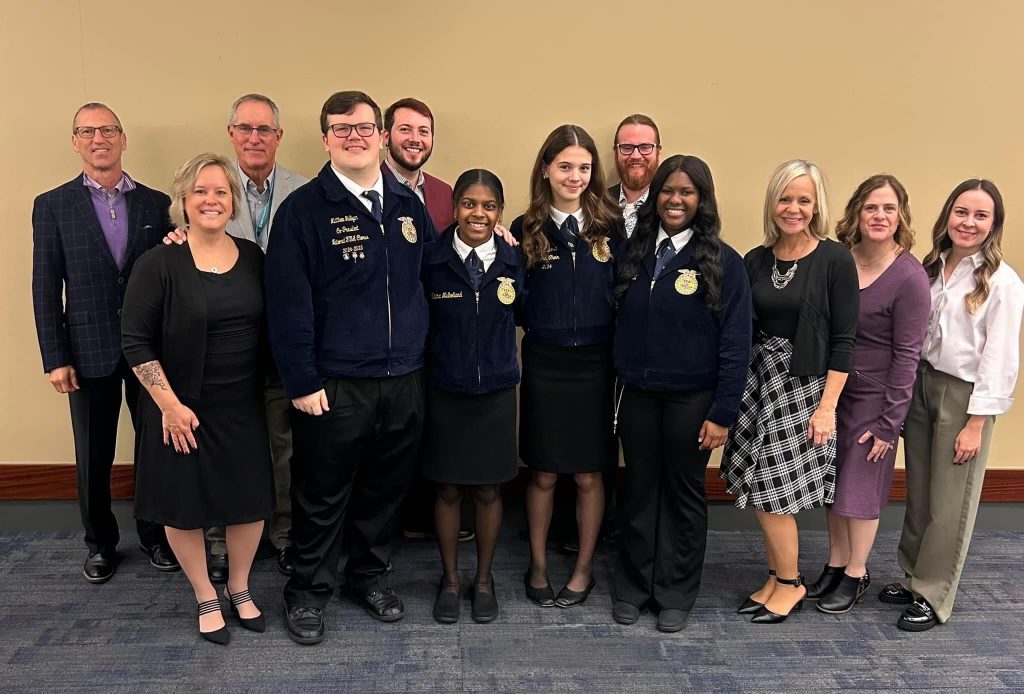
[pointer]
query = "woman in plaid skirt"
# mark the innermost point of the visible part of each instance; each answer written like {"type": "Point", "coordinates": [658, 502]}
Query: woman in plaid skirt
{"type": "Point", "coordinates": [780, 456]}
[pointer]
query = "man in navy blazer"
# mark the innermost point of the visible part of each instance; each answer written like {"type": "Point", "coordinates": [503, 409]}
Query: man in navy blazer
{"type": "Point", "coordinates": [86, 236]}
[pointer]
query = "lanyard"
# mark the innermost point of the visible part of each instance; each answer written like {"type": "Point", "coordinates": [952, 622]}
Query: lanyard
{"type": "Point", "coordinates": [259, 225]}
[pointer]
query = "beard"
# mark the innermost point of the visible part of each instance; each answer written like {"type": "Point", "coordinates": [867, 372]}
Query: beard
{"type": "Point", "coordinates": [399, 156]}
{"type": "Point", "coordinates": [634, 179]}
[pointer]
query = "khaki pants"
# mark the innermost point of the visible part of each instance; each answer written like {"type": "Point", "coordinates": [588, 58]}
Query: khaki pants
{"type": "Point", "coordinates": [942, 498]}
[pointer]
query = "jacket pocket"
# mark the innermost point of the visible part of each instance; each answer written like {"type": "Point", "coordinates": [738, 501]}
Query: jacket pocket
{"type": "Point", "coordinates": [79, 317]}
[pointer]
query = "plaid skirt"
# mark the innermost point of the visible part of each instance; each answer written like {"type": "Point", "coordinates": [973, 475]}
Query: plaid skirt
{"type": "Point", "coordinates": [768, 461]}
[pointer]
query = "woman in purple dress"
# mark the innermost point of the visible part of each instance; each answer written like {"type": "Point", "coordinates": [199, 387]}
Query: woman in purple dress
{"type": "Point", "coordinates": [894, 305]}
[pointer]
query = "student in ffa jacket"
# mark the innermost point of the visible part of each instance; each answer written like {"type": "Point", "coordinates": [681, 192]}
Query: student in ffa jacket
{"type": "Point", "coordinates": [682, 344]}
{"type": "Point", "coordinates": [348, 324]}
{"type": "Point", "coordinates": [568, 235]}
{"type": "Point", "coordinates": [471, 278]}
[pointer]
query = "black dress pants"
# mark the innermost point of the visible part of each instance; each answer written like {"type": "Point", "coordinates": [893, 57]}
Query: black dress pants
{"type": "Point", "coordinates": [95, 409]}
{"type": "Point", "coordinates": [663, 511]}
{"type": "Point", "coordinates": [351, 469]}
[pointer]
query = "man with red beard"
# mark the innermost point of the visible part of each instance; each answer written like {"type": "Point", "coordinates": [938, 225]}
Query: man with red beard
{"type": "Point", "coordinates": [637, 149]}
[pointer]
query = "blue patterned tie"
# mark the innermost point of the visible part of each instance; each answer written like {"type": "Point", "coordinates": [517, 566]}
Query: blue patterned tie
{"type": "Point", "coordinates": [375, 208]}
{"type": "Point", "coordinates": [475, 268]}
{"type": "Point", "coordinates": [570, 231]}
{"type": "Point", "coordinates": [666, 251]}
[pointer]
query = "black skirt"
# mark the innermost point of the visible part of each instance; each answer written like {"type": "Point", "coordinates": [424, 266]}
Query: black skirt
{"type": "Point", "coordinates": [470, 439]}
{"type": "Point", "coordinates": [566, 408]}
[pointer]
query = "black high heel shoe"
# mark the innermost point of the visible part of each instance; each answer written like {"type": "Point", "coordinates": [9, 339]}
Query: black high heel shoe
{"type": "Point", "coordinates": [542, 597]}
{"type": "Point", "coordinates": [750, 606]}
{"type": "Point", "coordinates": [766, 616]}
{"type": "Point", "coordinates": [222, 636]}
{"type": "Point", "coordinates": [252, 623]}
{"type": "Point", "coordinates": [571, 598]}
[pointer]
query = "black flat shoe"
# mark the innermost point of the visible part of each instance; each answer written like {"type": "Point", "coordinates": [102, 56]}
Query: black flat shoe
{"type": "Point", "coordinates": [844, 596]}
{"type": "Point", "coordinates": [381, 603]}
{"type": "Point", "coordinates": [305, 624]}
{"type": "Point", "coordinates": [221, 636]}
{"type": "Point", "coordinates": [918, 617]}
{"type": "Point", "coordinates": [827, 581]}
{"type": "Point", "coordinates": [750, 606]}
{"type": "Point", "coordinates": [624, 612]}
{"type": "Point", "coordinates": [672, 620]}
{"type": "Point", "coordinates": [99, 567]}
{"type": "Point", "coordinates": [286, 561]}
{"type": "Point", "coordinates": [485, 605]}
{"type": "Point", "coordinates": [258, 623]}
{"type": "Point", "coordinates": [766, 616]}
{"type": "Point", "coordinates": [217, 568]}
{"type": "Point", "coordinates": [896, 594]}
{"type": "Point", "coordinates": [161, 558]}
{"type": "Point", "coordinates": [542, 597]}
{"type": "Point", "coordinates": [447, 603]}
{"type": "Point", "coordinates": [570, 598]}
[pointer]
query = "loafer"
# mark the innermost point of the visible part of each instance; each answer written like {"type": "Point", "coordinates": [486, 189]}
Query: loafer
{"type": "Point", "coordinates": [543, 596]}
{"type": "Point", "coordinates": [381, 603]}
{"type": "Point", "coordinates": [217, 568]}
{"type": "Point", "coordinates": [305, 624]}
{"type": "Point", "coordinates": [672, 620]}
{"type": "Point", "coordinates": [286, 561]}
{"type": "Point", "coordinates": [485, 605]}
{"type": "Point", "coordinates": [844, 596]}
{"type": "Point", "coordinates": [99, 567]}
{"type": "Point", "coordinates": [161, 557]}
{"type": "Point", "coordinates": [624, 612]}
{"type": "Point", "coordinates": [570, 598]}
{"type": "Point", "coordinates": [447, 604]}
{"type": "Point", "coordinates": [827, 581]}
{"type": "Point", "coordinates": [918, 617]}
{"type": "Point", "coordinates": [896, 594]}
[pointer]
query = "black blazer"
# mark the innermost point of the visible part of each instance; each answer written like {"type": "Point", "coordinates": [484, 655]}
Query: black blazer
{"type": "Point", "coordinates": [77, 288]}
{"type": "Point", "coordinates": [165, 312]}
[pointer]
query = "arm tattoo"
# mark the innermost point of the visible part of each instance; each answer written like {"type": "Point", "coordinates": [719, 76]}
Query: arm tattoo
{"type": "Point", "coordinates": [150, 374]}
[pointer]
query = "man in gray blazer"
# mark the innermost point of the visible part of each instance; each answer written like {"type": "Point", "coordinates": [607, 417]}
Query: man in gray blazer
{"type": "Point", "coordinates": [254, 127]}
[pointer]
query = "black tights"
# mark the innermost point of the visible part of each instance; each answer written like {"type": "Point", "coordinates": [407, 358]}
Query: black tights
{"type": "Point", "coordinates": [448, 519]}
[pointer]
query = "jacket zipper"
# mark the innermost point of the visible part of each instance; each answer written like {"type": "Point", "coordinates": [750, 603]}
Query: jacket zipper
{"type": "Point", "coordinates": [479, 378]}
{"type": "Point", "coordinates": [575, 336]}
{"type": "Point", "coordinates": [387, 290]}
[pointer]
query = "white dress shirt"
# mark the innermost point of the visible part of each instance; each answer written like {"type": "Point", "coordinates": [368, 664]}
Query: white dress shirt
{"type": "Point", "coordinates": [679, 241]}
{"type": "Point", "coordinates": [982, 348]}
{"type": "Point", "coordinates": [358, 190]}
{"type": "Point", "coordinates": [486, 251]}
{"type": "Point", "coordinates": [559, 217]}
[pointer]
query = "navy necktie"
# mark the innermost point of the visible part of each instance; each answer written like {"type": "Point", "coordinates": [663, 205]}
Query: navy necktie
{"type": "Point", "coordinates": [666, 251]}
{"type": "Point", "coordinates": [375, 208]}
{"type": "Point", "coordinates": [570, 231]}
{"type": "Point", "coordinates": [475, 268]}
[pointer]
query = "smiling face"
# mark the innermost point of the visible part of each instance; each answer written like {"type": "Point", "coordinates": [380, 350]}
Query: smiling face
{"type": "Point", "coordinates": [636, 170]}
{"type": "Point", "coordinates": [677, 203]}
{"type": "Point", "coordinates": [100, 153]}
{"type": "Point", "coordinates": [970, 221]}
{"type": "Point", "coordinates": [476, 212]}
{"type": "Point", "coordinates": [410, 140]}
{"type": "Point", "coordinates": [568, 175]}
{"type": "Point", "coordinates": [255, 153]}
{"type": "Point", "coordinates": [880, 215]}
{"type": "Point", "coordinates": [356, 153]}
{"type": "Point", "coordinates": [208, 205]}
{"type": "Point", "coordinates": [794, 209]}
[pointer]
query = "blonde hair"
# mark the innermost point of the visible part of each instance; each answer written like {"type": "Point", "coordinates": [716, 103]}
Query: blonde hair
{"type": "Point", "coordinates": [185, 179]}
{"type": "Point", "coordinates": [782, 177]}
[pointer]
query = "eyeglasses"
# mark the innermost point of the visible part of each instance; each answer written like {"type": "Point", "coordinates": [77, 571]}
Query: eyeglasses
{"type": "Point", "coordinates": [87, 132]}
{"type": "Point", "coordinates": [645, 148]}
{"type": "Point", "coordinates": [244, 129]}
{"type": "Point", "coordinates": [343, 130]}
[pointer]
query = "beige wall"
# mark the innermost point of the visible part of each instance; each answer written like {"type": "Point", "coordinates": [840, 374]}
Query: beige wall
{"type": "Point", "coordinates": [927, 90]}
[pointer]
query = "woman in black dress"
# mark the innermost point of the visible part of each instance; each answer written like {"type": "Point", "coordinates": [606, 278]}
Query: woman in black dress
{"type": "Point", "coordinates": [568, 234]}
{"type": "Point", "coordinates": [472, 279]}
{"type": "Point", "coordinates": [192, 328]}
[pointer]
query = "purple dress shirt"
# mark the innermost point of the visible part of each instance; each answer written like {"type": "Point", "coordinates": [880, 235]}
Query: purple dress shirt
{"type": "Point", "coordinates": [112, 212]}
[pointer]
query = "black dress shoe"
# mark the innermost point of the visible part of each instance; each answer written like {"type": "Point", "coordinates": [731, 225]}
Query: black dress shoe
{"type": "Point", "coordinates": [672, 620]}
{"type": "Point", "coordinates": [466, 535]}
{"type": "Point", "coordinates": [305, 624]}
{"type": "Point", "coordinates": [485, 605]}
{"type": "Point", "coordinates": [161, 558]}
{"type": "Point", "coordinates": [258, 623]}
{"type": "Point", "coordinates": [844, 596]}
{"type": "Point", "coordinates": [217, 568]}
{"type": "Point", "coordinates": [750, 606]}
{"type": "Point", "coordinates": [542, 597]}
{"type": "Point", "coordinates": [99, 567]}
{"type": "Point", "coordinates": [221, 636]}
{"type": "Point", "coordinates": [447, 604]}
{"type": "Point", "coordinates": [896, 594]}
{"type": "Point", "coordinates": [286, 561]}
{"type": "Point", "coordinates": [571, 598]}
{"type": "Point", "coordinates": [624, 612]}
{"type": "Point", "coordinates": [381, 603]}
{"type": "Point", "coordinates": [918, 617]}
{"type": "Point", "coordinates": [766, 616]}
{"type": "Point", "coordinates": [827, 581]}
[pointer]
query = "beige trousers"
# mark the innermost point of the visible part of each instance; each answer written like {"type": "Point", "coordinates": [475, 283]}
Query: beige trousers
{"type": "Point", "coordinates": [942, 498]}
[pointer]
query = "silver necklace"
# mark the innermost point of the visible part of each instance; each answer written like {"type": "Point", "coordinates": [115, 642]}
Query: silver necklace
{"type": "Point", "coordinates": [779, 279]}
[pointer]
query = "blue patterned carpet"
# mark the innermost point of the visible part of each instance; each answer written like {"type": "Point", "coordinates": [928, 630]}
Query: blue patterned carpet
{"type": "Point", "coordinates": [137, 632]}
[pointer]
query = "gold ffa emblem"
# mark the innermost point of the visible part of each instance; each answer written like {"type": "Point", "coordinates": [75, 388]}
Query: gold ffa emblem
{"type": "Point", "coordinates": [408, 229]}
{"type": "Point", "coordinates": [601, 251]}
{"type": "Point", "coordinates": [686, 283]}
{"type": "Point", "coordinates": [506, 292]}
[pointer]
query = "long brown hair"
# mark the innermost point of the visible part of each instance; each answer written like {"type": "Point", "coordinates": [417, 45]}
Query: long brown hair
{"type": "Point", "coordinates": [599, 212]}
{"type": "Point", "coordinates": [991, 248]}
{"type": "Point", "coordinates": [848, 228]}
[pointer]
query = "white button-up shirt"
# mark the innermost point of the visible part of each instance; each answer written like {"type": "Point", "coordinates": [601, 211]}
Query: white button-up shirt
{"type": "Point", "coordinates": [486, 251]}
{"type": "Point", "coordinates": [982, 348]}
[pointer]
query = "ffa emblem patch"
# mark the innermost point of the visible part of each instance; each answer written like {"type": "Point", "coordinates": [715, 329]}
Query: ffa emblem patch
{"type": "Point", "coordinates": [601, 251]}
{"type": "Point", "coordinates": [408, 229]}
{"type": "Point", "coordinates": [686, 283]}
{"type": "Point", "coordinates": [506, 292]}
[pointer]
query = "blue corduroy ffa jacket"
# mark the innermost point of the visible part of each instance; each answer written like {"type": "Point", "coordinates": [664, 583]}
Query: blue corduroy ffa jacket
{"type": "Point", "coordinates": [668, 340]}
{"type": "Point", "coordinates": [471, 347]}
{"type": "Point", "coordinates": [344, 298]}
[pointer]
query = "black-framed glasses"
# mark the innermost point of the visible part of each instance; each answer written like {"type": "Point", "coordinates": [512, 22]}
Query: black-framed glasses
{"type": "Point", "coordinates": [627, 149]}
{"type": "Point", "coordinates": [343, 130]}
{"type": "Point", "coordinates": [244, 129]}
{"type": "Point", "coordinates": [87, 132]}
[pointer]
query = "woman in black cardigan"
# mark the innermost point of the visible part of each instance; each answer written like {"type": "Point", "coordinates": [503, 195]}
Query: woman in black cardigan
{"type": "Point", "coordinates": [780, 456]}
{"type": "Point", "coordinates": [192, 330]}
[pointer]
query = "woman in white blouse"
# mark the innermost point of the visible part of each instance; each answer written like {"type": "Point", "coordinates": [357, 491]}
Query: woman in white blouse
{"type": "Point", "coordinates": [966, 378]}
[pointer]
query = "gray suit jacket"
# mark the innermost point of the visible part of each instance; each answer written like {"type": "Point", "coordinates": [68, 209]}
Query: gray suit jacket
{"type": "Point", "coordinates": [285, 182]}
